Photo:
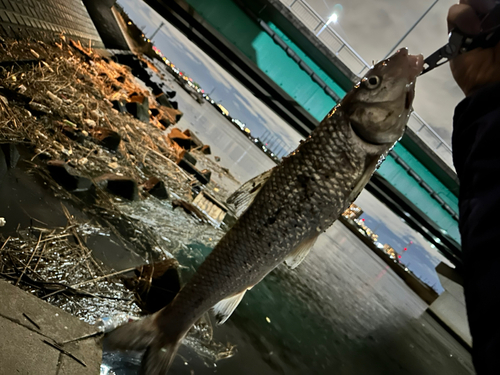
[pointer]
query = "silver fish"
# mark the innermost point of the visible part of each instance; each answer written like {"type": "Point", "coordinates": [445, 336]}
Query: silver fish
{"type": "Point", "coordinates": [285, 209]}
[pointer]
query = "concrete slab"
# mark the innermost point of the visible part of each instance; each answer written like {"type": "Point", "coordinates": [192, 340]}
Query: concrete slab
{"type": "Point", "coordinates": [24, 352]}
{"type": "Point", "coordinates": [26, 321]}
{"type": "Point", "coordinates": [53, 322]}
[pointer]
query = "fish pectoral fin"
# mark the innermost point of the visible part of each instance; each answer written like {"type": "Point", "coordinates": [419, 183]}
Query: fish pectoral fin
{"type": "Point", "coordinates": [223, 309]}
{"type": "Point", "coordinates": [244, 196]}
{"type": "Point", "coordinates": [299, 254]}
{"type": "Point", "coordinates": [360, 185]}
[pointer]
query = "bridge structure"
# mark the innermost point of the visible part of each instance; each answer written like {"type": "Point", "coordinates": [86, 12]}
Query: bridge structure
{"type": "Point", "coordinates": [290, 58]}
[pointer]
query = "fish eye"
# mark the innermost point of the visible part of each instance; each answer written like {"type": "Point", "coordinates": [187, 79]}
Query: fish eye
{"type": "Point", "coordinates": [372, 82]}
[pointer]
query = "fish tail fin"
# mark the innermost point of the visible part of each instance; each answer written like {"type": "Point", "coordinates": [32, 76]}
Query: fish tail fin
{"type": "Point", "coordinates": [161, 343]}
{"type": "Point", "coordinates": [159, 356]}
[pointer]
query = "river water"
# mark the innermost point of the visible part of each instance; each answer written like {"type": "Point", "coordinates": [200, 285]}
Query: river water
{"type": "Point", "coordinates": [342, 311]}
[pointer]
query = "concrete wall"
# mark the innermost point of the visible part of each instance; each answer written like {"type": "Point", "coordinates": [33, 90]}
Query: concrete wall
{"type": "Point", "coordinates": [450, 309]}
{"type": "Point", "coordinates": [46, 20]}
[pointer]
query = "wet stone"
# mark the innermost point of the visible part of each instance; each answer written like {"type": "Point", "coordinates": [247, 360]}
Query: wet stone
{"type": "Point", "coordinates": [107, 138]}
{"type": "Point", "coordinates": [65, 176]}
{"type": "Point", "coordinates": [156, 188]}
{"type": "Point", "coordinates": [123, 187]}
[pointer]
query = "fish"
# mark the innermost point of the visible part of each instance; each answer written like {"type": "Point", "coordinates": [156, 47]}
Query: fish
{"type": "Point", "coordinates": [282, 212]}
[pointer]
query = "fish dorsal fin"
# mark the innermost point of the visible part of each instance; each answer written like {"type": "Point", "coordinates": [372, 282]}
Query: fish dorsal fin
{"type": "Point", "coordinates": [299, 254]}
{"type": "Point", "coordinates": [244, 196]}
{"type": "Point", "coordinates": [223, 309]}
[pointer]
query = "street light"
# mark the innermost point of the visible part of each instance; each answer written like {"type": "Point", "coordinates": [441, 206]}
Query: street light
{"type": "Point", "coordinates": [333, 18]}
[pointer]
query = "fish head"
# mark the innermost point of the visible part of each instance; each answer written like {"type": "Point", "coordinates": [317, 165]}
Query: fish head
{"type": "Point", "coordinates": [378, 107]}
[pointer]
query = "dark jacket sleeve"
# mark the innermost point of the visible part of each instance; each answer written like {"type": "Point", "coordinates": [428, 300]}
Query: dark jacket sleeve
{"type": "Point", "coordinates": [476, 155]}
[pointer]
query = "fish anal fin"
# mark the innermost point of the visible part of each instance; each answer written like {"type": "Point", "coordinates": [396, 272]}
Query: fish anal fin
{"type": "Point", "coordinates": [223, 309]}
{"type": "Point", "coordinates": [300, 253]}
{"type": "Point", "coordinates": [244, 196]}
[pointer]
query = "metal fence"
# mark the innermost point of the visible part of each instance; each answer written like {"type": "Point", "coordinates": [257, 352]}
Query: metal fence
{"type": "Point", "coordinates": [329, 37]}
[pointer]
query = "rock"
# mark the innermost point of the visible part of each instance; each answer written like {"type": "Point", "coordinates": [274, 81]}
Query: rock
{"type": "Point", "coordinates": [174, 105]}
{"type": "Point", "coordinates": [11, 154]}
{"type": "Point", "coordinates": [206, 150]}
{"type": "Point", "coordinates": [217, 158]}
{"type": "Point", "coordinates": [163, 100]}
{"type": "Point", "coordinates": [190, 209]}
{"type": "Point", "coordinates": [118, 185]}
{"type": "Point", "coordinates": [2, 221]}
{"type": "Point", "coordinates": [139, 111]}
{"type": "Point", "coordinates": [165, 122]}
{"type": "Point", "coordinates": [171, 94]}
{"type": "Point", "coordinates": [196, 141]}
{"type": "Point", "coordinates": [207, 174]}
{"type": "Point", "coordinates": [107, 138]}
{"type": "Point", "coordinates": [154, 112]}
{"type": "Point", "coordinates": [174, 115]}
{"type": "Point", "coordinates": [155, 285]}
{"type": "Point", "coordinates": [186, 155]}
{"type": "Point", "coordinates": [120, 106]}
{"type": "Point", "coordinates": [156, 188]}
{"type": "Point", "coordinates": [185, 139]}
{"type": "Point", "coordinates": [180, 138]}
{"type": "Point", "coordinates": [65, 176]}
{"type": "Point", "coordinates": [191, 169]}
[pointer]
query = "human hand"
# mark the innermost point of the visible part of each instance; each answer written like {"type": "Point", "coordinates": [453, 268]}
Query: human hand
{"type": "Point", "coordinates": [479, 67]}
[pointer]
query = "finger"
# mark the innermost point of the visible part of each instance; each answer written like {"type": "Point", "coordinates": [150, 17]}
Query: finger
{"type": "Point", "coordinates": [464, 18]}
{"type": "Point", "coordinates": [481, 7]}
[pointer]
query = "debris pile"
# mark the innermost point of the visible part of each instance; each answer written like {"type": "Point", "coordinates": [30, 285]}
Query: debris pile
{"type": "Point", "coordinates": [97, 137]}
{"type": "Point", "coordinates": [56, 265]}
{"type": "Point", "coordinates": [98, 134]}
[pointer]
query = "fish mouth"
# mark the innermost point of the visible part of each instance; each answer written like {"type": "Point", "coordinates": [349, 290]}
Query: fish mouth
{"type": "Point", "coordinates": [416, 65]}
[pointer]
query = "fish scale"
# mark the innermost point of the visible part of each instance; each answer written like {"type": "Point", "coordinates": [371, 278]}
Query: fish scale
{"type": "Point", "coordinates": [288, 207]}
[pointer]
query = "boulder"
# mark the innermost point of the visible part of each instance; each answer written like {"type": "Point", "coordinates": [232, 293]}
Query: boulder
{"type": "Point", "coordinates": [156, 188]}
{"type": "Point", "coordinates": [121, 186]}
{"type": "Point", "coordinates": [107, 138]}
{"type": "Point", "coordinates": [66, 176]}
